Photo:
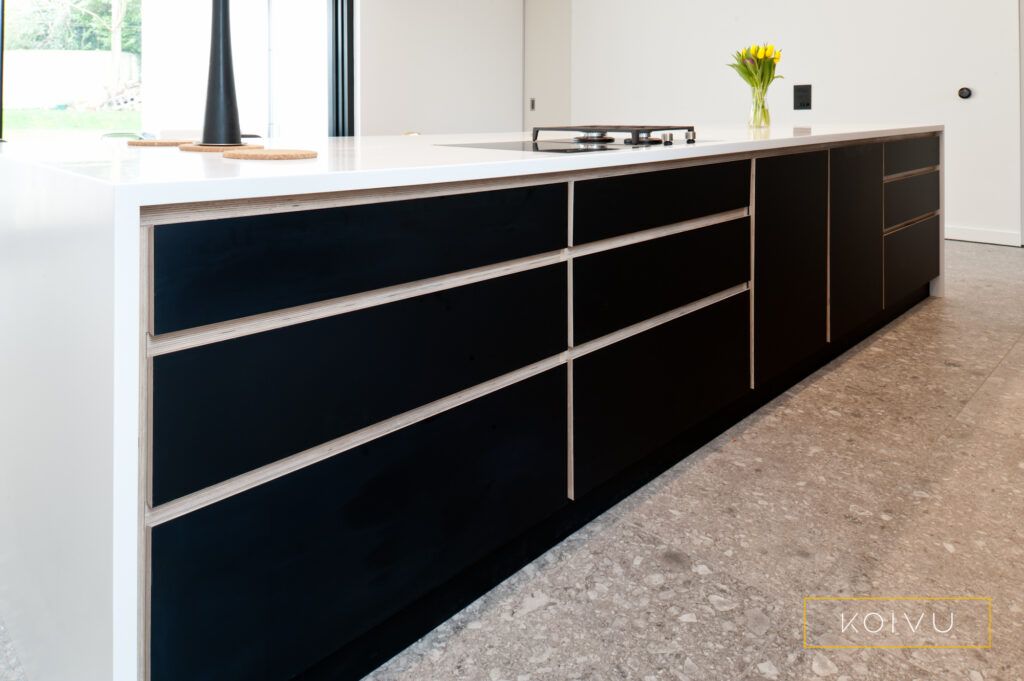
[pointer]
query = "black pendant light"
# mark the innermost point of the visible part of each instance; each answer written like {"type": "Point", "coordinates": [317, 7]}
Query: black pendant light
{"type": "Point", "coordinates": [220, 126]}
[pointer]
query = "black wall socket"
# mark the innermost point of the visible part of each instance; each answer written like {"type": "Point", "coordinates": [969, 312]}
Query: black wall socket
{"type": "Point", "coordinates": [801, 97]}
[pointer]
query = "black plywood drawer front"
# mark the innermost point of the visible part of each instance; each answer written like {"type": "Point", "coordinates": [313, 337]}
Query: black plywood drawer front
{"type": "Point", "coordinates": [910, 198]}
{"type": "Point", "coordinates": [263, 585]}
{"type": "Point", "coordinates": [227, 408]}
{"type": "Point", "coordinates": [617, 288]}
{"type": "Point", "coordinates": [911, 154]}
{"type": "Point", "coordinates": [613, 206]}
{"type": "Point", "coordinates": [634, 397]}
{"type": "Point", "coordinates": [213, 271]}
{"type": "Point", "coordinates": [911, 259]}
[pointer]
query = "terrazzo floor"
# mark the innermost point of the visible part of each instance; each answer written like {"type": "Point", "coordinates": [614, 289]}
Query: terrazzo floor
{"type": "Point", "coordinates": [898, 469]}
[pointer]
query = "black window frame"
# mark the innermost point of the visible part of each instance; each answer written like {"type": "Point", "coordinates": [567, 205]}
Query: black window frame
{"type": "Point", "coordinates": [341, 102]}
{"type": "Point", "coordinates": [341, 71]}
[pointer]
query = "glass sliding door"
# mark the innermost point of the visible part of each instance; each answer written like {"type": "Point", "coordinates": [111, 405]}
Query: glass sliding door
{"type": "Point", "coordinates": [88, 68]}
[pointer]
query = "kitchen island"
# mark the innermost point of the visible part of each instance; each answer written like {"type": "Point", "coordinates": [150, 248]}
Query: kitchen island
{"type": "Point", "coordinates": [277, 420]}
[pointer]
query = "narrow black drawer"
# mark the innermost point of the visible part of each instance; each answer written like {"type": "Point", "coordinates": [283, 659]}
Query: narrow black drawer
{"type": "Point", "coordinates": [614, 289]}
{"type": "Point", "coordinates": [207, 272]}
{"type": "Point", "coordinates": [911, 154]}
{"type": "Point", "coordinates": [911, 259]}
{"type": "Point", "coordinates": [910, 198]}
{"type": "Point", "coordinates": [263, 585]}
{"type": "Point", "coordinates": [633, 398]}
{"type": "Point", "coordinates": [612, 206]}
{"type": "Point", "coordinates": [224, 409]}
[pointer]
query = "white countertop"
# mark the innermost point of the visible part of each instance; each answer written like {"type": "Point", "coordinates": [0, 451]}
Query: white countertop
{"type": "Point", "coordinates": [161, 175]}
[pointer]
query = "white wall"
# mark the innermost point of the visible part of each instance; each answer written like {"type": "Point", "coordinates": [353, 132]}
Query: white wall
{"type": "Point", "coordinates": [299, 43]}
{"type": "Point", "coordinates": [873, 61]}
{"type": "Point", "coordinates": [439, 66]}
{"type": "Point", "coordinates": [548, 62]}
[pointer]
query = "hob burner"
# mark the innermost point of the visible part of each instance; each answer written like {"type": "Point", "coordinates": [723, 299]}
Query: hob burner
{"type": "Point", "coordinates": [589, 137]}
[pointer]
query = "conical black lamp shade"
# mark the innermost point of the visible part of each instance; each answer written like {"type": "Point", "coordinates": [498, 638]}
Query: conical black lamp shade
{"type": "Point", "coordinates": [221, 123]}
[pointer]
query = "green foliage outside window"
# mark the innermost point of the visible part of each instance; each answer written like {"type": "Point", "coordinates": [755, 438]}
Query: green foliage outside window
{"type": "Point", "coordinates": [74, 25]}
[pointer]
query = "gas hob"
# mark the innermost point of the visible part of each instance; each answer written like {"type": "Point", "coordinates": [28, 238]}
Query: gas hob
{"type": "Point", "coordinates": [592, 138]}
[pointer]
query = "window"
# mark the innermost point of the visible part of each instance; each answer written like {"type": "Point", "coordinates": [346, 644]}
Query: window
{"type": "Point", "coordinates": [71, 67]}
{"type": "Point", "coordinates": [92, 67]}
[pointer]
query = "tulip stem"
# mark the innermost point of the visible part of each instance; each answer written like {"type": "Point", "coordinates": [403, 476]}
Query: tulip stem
{"type": "Point", "coordinates": [760, 117]}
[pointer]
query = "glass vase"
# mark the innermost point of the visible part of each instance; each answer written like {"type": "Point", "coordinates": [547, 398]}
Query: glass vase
{"type": "Point", "coordinates": [759, 115]}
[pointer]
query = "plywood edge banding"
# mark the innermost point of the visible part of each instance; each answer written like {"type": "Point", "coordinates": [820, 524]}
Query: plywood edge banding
{"type": "Point", "coordinates": [655, 322]}
{"type": "Point", "coordinates": [896, 177]}
{"type": "Point", "coordinates": [753, 278]}
{"type": "Point", "coordinates": [241, 483]}
{"type": "Point", "coordinates": [657, 232]}
{"type": "Point", "coordinates": [215, 333]}
{"type": "Point", "coordinates": [911, 223]}
{"type": "Point", "coordinates": [206, 497]}
{"type": "Point", "coordinates": [269, 321]}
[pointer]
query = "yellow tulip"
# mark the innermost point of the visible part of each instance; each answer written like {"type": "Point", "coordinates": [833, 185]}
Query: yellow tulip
{"type": "Point", "coordinates": [753, 50]}
{"type": "Point", "coordinates": [771, 51]}
{"type": "Point", "coordinates": [760, 53]}
{"type": "Point", "coordinates": [778, 56]}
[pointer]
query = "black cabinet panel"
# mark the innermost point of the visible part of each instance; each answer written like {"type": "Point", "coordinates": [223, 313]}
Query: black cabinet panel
{"type": "Point", "coordinates": [911, 259]}
{"type": "Point", "coordinates": [223, 409]}
{"type": "Point", "coordinates": [790, 262]}
{"type": "Point", "coordinates": [910, 198]}
{"type": "Point", "coordinates": [856, 241]}
{"type": "Point", "coordinates": [614, 289]}
{"type": "Point", "coordinates": [912, 154]}
{"type": "Point", "coordinates": [612, 206]}
{"type": "Point", "coordinates": [208, 272]}
{"type": "Point", "coordinates": [263, 585]}
{"type": "Point", "coordinates": [634, 397]}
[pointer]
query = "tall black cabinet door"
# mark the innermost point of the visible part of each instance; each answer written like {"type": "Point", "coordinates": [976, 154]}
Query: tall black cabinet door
{"type": "Point", "coordinates": [856, 240]}
{"type": "Point", "coordinates": [790, 262]}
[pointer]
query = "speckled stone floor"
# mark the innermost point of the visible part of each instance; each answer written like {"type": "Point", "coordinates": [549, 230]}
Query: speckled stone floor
{"type": "Point", "coordinates": [898, 469]}
{"type": "Point", "coordinates": [10, 669]}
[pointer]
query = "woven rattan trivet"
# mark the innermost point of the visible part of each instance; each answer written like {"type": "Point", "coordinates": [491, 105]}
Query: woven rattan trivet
{"type": "Point", "coordinates": [217, 147]}
{"type": "Point", "coordinates": [157, 143]}
{"type": "Point", "coordinates": [269, 154]}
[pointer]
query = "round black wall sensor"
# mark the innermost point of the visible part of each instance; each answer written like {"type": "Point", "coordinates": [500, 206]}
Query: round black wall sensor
{"type": "Point", "coordinates": [965, 93]}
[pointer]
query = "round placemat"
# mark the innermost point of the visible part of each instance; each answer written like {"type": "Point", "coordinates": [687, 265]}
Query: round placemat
{"type": "Point", "coordinates": [217, 147]}
{"type": "Point", "coordinates": [256, 154]}
{"type": "Point", "coordinates": [157, 143]}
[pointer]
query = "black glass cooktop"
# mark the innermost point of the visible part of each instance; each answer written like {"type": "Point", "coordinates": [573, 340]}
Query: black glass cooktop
{"type": "Point", "coordinates": [551, 146]}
